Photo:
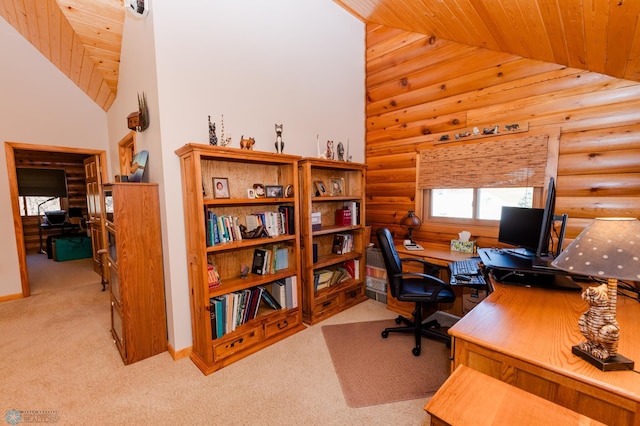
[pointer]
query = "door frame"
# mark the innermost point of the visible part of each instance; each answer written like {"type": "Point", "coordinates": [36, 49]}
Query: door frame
{"type": "Point", "coordinates": [10, 148]}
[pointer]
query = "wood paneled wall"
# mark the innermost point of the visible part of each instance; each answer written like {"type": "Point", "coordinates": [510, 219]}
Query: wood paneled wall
{"type": "Point", "coordinates": [418, 86]}
{"type": "Point", "coordinates": [76, 190]}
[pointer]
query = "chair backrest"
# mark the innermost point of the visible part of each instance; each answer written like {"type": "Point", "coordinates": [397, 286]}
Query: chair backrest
{"type": "Point", "coordinates": [392, 262]}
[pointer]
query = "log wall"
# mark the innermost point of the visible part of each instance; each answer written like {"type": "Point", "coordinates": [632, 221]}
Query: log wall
{"type": "Point", "coordinates": [419, 87]}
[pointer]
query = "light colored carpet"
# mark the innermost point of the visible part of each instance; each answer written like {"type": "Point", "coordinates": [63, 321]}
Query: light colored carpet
{"type": "Point", "coordinates": [373, 370]}
{"type": "Point", "coordinates": [58, 355]}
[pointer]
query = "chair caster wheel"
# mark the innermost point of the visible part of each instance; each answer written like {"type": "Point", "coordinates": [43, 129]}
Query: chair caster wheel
{"type": "Point", "coordinates": [415, 351]}
{"type": "Point", "coordinates": [398, 320]}
{"type": "Point", "coordinates": [384, 334]}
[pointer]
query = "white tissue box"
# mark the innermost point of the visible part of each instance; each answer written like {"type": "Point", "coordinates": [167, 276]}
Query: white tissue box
{"type": "Point", "coordinates": [463, 246]}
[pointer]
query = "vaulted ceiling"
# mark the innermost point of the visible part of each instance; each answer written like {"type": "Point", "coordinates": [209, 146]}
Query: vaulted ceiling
{"type": "Point", "coordinates": [83, 37]}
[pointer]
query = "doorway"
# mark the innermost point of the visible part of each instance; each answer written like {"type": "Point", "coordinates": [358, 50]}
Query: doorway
{"type": "Point", "coordinates": [14, 153]}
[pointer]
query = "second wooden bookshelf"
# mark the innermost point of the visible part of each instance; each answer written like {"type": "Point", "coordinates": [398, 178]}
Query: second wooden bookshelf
{"type": "Point", "coordinates": [333, 278]}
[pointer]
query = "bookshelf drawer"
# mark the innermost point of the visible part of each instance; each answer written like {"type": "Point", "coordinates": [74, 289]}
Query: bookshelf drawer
{"type": "Point", "coordinates": [353, 294]}
{"type": "Point", "coordinates": [326, 305]}
{"type": "Point", "coordinates": [280, 324]}
{"type": "Point", "coordinates": [235, 343]}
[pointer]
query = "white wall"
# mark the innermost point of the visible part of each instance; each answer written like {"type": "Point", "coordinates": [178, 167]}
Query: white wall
{"type": "Point", "coordinates": [38, 105]}
{"type": "Point", "coordinates": [299, 63]}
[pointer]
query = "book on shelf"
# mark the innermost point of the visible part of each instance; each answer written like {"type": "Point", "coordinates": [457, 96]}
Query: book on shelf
{"type": "Point", "coordinates": [342, 243]}
{"type": "Point", "coordinates": [343, 217]}
{"type": "Point", "coordinates": [354, 207]}
{"type": "Point", "coordinates": [282, 258]}
{"type": "Point", "coordinates": [291, 284]}
{"type": "Point", "coordinates": [220, 311]}
{"type": "Point", "coordinates": [353, 268]}
{"type": "Point", "coordinates": [213, 236]}
{"type": "Point", "coordinates": [270, 299]}
{"type": "Point", "coordinates": [212, 313]}
{"type": "Point", "coordinates": [278, 291]}
{"type": "Point", "coordinates": [289, 218]}
{"type": "Point", "coordinates": [213, 276]}
{"type": "Point", "coordinates": [323, 279]}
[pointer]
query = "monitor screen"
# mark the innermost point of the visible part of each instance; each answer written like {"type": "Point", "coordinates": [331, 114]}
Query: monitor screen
{"type": "Point", "coordinates": [544, 241]}
{"type": "Point", "coordinates": [520, 227]}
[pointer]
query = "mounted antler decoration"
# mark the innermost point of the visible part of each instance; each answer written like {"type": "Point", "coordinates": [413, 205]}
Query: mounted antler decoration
{"type": "Point", "coordinates": [139, 120]}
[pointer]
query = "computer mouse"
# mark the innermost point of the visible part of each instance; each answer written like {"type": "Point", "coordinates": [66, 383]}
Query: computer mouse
{"type": "Point", "coordinates": [461, 277]}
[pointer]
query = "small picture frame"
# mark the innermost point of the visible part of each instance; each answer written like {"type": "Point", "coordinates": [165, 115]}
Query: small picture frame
{"type": "Point", "coordinates": [220, 187]}
{"type": "Point", "coordinates": [321, 190]}
{"type": "Point", "coordinates": [273, 191]}
{"type": "Point", "coordinates": [251, 193]}
{"type": "Point", "coordinates": [258, 189]}
{"type": "Point", "coordinates": [337, 186]}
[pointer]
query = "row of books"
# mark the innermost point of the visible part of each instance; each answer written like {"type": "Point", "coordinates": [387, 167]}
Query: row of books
{"type": "Point", "coordinates": [231, 310]}
{"type": "Point", "coordinates": [222, 229]}
{"type": "Point", "coordinates": [226, 228]}
{"type": "Point", "coordinates": [270, 259]}
{"type": "Point", "coordinates": [323, 278]}
{"type": "Point", "coordinates": [342, 243]}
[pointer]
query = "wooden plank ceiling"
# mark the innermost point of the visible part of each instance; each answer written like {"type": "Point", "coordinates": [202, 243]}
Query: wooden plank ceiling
{"type": "Point", "coordinates": [83, 37]}
{"type": "Point", "coordinates": [594, 35]}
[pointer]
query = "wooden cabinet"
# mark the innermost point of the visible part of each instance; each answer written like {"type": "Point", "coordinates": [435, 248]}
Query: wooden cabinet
{"type": "Point", "coordinates": [134, 261]}
{"type": "Point", "coordinates": [328, 188]}
{"type": "Point", "coordinates": [221, 337]}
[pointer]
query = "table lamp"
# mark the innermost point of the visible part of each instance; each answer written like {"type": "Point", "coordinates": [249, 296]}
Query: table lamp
{"type": "Point", "coordinates": [608, 249]}
{"type": "Point", "coordinates": [410, 222]}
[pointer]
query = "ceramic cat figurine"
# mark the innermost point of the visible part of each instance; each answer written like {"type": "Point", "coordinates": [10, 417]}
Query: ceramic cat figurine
{"type": "Point", "coordinates": [599, 324]}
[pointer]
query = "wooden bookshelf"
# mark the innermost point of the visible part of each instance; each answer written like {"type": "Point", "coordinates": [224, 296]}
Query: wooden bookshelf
{"type": "Point", "coordinates": [242, 169]}
{"type": "Point", "coordinates": [320, 303]}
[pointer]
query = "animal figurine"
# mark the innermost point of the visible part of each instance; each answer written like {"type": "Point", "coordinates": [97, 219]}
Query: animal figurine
{"type": "Point", "coordinates": [279, 143]}
{"type": "Point", "coordinates": [213, 139]}
{"type": "Point", "coordinates": [340, 151]}
{"type": "Point", "coordinates": [512, 127]}
{"type": "Point", "coordinates": [247, 143]}
{"type": "Point", "coordinates": [599, 324]}
{"type": "Point", "coordinates": [329, 153]}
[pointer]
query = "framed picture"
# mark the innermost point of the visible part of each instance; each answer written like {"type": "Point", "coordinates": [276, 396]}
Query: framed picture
{"type": "Point", "coordinates": [220, 187]}
{"type": "Point", "coordinates": [321, 190]}
{"type": "Point", "coordinates": [251, 193]}
{"type": "Point", "coordinates": [273, 191]}
{"type": "Point", "coordinates": [337, 186]}
{"type": "Point", "coordinates": [258, 189]}
{"type": "Point", "coordinates": [288, 191]}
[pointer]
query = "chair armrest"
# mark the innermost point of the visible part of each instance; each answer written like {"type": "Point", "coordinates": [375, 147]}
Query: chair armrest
{"type": "Point", "coordinates": [430, 281]}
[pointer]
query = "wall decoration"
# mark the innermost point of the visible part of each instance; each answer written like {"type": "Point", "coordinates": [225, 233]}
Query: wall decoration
{"type": "Point", "coordinates": [139, 120]}
{"type": "Point", "coordinates": [479, 132]}
{"type": "Point", "coordinates": [138, 8]}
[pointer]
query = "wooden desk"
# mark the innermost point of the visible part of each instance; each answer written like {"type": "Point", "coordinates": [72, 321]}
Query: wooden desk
{"type": "Point", "coordinates": [438, 254]}
{"type": "Point", "coordinates": [523, 336]}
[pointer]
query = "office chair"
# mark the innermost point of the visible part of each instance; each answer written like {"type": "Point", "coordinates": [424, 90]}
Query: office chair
{"type": "Point", "coordinates": [424, 289]}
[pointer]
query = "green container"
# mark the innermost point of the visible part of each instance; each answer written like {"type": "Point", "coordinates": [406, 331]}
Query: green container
{"type": "Point", "coordinates": [72, 248]}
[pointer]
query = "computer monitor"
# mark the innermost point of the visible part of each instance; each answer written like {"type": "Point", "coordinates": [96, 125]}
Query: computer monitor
{"type": "Point", "coordinates": [545, 247]}
{"type": "Point", "coordinates": [520, 227]}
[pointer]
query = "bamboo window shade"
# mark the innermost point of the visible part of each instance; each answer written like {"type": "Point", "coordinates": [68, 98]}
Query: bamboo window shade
{"type": "Point", "coordinates": [512, 162]}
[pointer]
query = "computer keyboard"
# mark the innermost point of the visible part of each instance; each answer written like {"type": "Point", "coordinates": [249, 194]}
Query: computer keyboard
{"type": "Point", "coordinates": [466, 272]}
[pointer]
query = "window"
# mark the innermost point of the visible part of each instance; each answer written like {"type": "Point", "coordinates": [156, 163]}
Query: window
{"type": "Point", "coordinates": [476, 203]}
{"type": "Point", "coordinates": [29, 205]}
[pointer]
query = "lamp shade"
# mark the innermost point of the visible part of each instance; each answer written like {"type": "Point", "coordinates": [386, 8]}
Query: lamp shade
{"type": "Point", "coordinates": [607, 248]}
{"type": "Point", "coordinates": [410, 221]}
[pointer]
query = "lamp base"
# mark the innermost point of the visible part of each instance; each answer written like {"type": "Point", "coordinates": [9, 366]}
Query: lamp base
{"type": "Point", "coordinates": [614, 363]}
